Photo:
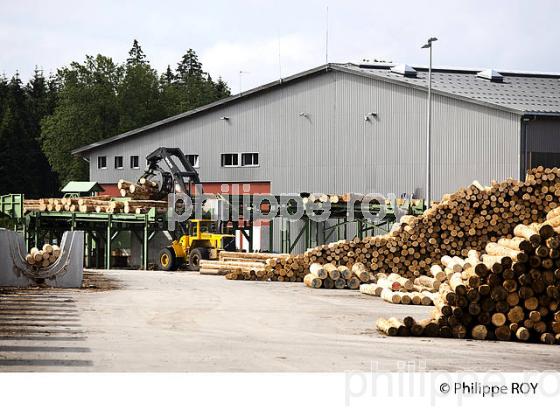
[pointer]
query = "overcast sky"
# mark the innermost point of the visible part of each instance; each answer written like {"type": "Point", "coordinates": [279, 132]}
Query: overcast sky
{"type": "Point", "coordinates": [269, 39]}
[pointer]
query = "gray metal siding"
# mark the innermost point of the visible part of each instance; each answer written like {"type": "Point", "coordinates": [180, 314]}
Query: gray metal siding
{"type": "Point", "coordinates": [473, 142]}
{"type": "Point", "coordinates": [334, 149]}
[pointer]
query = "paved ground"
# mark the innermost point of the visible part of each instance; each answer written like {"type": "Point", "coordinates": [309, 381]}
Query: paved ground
{"type": "Point", "coordinates": [156, 321]}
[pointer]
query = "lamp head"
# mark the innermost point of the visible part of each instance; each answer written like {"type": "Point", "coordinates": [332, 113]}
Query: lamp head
{"type": "Point", "coordinates": [429, 42]}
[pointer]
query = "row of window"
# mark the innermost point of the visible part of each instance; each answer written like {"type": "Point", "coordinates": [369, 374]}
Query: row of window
{"type": "Point", "coordinates": [246, 159]}
{"type": "Point", "coordinates": [119, 162]}
{"type": "Point", "coordinates": [243, 159]}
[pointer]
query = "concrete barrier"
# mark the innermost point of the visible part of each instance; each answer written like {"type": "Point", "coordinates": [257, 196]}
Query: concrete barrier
{"type": "Point", "coordinates": [66, 272]}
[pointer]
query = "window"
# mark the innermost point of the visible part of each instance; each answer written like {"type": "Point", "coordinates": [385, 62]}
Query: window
{"type": "Point", "coordinates": [230, 160]}
{"type": "Point", "coordinates": [193, 160]}
{"type": "Point", "coordinates": [119, 162]}
{"type": "Point", "coordinates": [545, 159]}
{"type": "Point", "coordinates": [134, 162]}
{"type": "Point", "coordinates": [102, 162]}
{"type": "Point", "coordinates": [250, 159]}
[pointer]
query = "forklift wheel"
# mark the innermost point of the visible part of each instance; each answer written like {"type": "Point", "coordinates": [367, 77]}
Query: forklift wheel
{"type": "Point", "coordinates": [167, 259]}
{"type": "Point", "coordinates": [196, 255]}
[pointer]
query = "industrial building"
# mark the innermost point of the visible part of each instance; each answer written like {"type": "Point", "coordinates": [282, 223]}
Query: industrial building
{"type": "Point", "coordinates": [360, 128]}
{"type": "Point", "coordinates": [355, 128]}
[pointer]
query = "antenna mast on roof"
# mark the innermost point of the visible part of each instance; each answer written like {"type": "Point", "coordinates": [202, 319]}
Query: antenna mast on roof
{"type": "Point", "coordinates": [327, 38]}
{"type": "Point", "coordinates": [241, 72]}
{"type": "Point", "coordinates": [279, 57]}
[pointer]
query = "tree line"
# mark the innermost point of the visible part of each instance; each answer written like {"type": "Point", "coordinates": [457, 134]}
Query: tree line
{"type": "Point", "coordinates": [42, 121]}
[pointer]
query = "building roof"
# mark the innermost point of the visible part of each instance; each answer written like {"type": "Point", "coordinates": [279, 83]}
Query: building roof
{"type": "Point", "coordinates": [523, 93]}
{"type": "Point", "coordinates": [82, 187]}
{"type": "Point", "coordinates": [519, 92]}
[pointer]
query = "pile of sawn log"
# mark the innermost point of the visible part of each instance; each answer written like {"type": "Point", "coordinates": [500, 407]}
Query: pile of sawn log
{"type": "Point", "coordinates": [240, 265]}
{"type": "Point", "coordinates": [512, 292]}
{"type": "Point", "coordinates": [137, 199]}
{"type": "Point", "coordinates": [467, 219]}
{"type": "Point", "coordinates": [94, 204]}
{"type": "Point", "coordinates": [330, 276]}
{"type": "Point", "coordinates": [44, 257]}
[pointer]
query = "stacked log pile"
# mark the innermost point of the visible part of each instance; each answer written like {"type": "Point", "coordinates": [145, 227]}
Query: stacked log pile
{"type": "Point", "coordinates": [394, 288]}
{"type": "Point", "coordinates": [356, 199]}
{"type": "Point", "coordinates": [277, 268]}
{"type": "Point", "coordinates": [98, 204]}
{"type": "Point", "coordinates": [466, 219]}
{"type": "Point", "coordinates": [140, 196]}
{"type": "Point", "coordinates": [144, 189]}
{"type": "Point", "coordinates": [421, 290]}
{"type": "Point", "coordinates": [240, 265]}
{"type": "Point", "coordinates": [511, 292]}
{"type": "Point", "coordinates": [330, 276]}
{"type": "Point", "coordinates": [322, 198]}
{"type": "Point", "coordinates": [42, 258]}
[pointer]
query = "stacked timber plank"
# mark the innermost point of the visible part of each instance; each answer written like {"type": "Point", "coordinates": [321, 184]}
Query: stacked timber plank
{"type": "Point", "coordinates": [94, 204]}
{"type": "Point", "coordinates": [143, 189]}
{"type": "Point", "coordinates": [511, 292]}
{"type": "Point", "coordinates": [44, 257]}
{"type": "Point", "coordinates": [467, 219]}
{"type": "Point", "coordinates": [330, 276]}
{"type": "Point", "coordinates": [240, 265]}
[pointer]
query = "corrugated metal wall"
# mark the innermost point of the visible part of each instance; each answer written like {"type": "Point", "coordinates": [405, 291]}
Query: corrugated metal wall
{"type": "Point", "coordinates": [332, 148]}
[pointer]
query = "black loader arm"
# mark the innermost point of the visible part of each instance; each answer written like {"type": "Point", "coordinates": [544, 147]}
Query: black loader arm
{"type": "Point", "coordinates": [181, 175]}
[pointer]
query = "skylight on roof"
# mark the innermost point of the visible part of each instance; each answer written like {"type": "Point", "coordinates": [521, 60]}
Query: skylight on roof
{"type": "Point", "coordinates": [491, 75]}
{"type": "Point", "coordinates": [404, 70]}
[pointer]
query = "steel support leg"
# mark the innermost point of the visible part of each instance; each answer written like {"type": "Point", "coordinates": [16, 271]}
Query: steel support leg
{"type": "Point", "coordinates": [271, 235]}
{"type": "Point", "coordinates": [145, 244]}
{"type": "Point", "coordinates": [37, 227]}
{"type": "Point", "coordinates": [108, 245]}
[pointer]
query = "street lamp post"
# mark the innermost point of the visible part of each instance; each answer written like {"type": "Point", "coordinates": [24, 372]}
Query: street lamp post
{"type": "Point", "coordinates": [429, 126]}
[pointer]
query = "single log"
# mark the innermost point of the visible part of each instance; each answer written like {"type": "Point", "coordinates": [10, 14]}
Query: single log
{"type": "Point", "coordinates": [479, 332]}
{"type": "Point", "coordinates": [312, 280]}
{"type": "Point", "coordinates": [340, 283]}
{"type": "Point", "coordinates": [404, 282]}
{"type": "Point", "coordinates": [503, 333]}
{"type": "Point", "coordinates": [328, 283]}
{"type": "Point", "coordinates": [353, 283]}
{"type": "Point", "coordinates": [360, 270]}
{"type": "Point", "coordinates": [345, 273]}
{"type": "Point", "coordinates": [332, 271]}
{"type": "Point", "coordinates": [388, 326]}
{"type": "Point", "coordinates": [371, 289]}
{"type": "Point", "coordinates": [548, 338]}
{"type": "Point", "coordinates": [498, 319]}
{"type": "Point", "coordinates": [318, 270]}
{"type": "Point", "coordinates": [428, 282]}
{"type": "Point", "coordinates": [526, 232]}
{"type": "Point", "coordinates": [456, 283]}
{"type": "Point", "coordinates": [390, 296]}
{"type": "Point", "coordinates": [437, 273]}
{"type": "Point", "coordinates": [56, 250]}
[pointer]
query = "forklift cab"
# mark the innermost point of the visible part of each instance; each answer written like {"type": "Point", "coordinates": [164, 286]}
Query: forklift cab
{"type": "Point", "coordinates": [198, 227]}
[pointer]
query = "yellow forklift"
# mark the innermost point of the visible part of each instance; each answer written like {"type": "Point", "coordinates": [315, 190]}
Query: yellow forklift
{"type": "Point", "coordinates": [198, 239]}
{"type": "Point", "coordinates": [202, 240]}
